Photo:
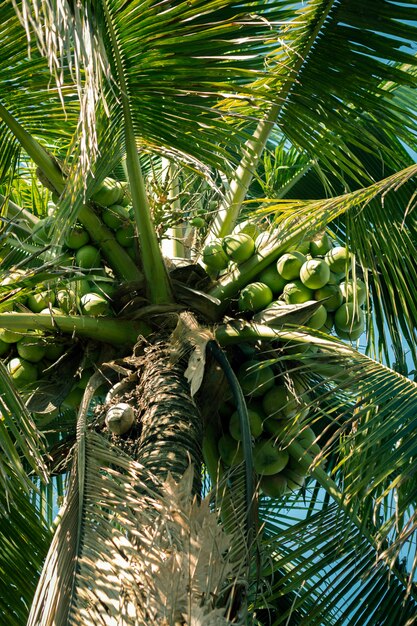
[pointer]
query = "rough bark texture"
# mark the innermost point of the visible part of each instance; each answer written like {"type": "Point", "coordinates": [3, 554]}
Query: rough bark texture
{"type": "Point", "coordinates": [171, 424]}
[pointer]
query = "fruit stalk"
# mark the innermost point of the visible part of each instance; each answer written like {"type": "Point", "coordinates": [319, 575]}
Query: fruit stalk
{"type": "Point", "coordinates": [228, 334]}
{"type": "Point", "coordinates": [173, 245]}
{"type": "Point", "coordinates": [116, 255]}
{"type": "Point", "coordinates": [229, 210]}
{"type": "Point", "coordinates": [117, 332]}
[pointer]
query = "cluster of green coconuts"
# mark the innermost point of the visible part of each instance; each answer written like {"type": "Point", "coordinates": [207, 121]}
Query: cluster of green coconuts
{"type": "Point", "coordinates": [28, 355]}
{"type": "Point", "coordinates": [277, 409]}
{"type": "Point", "coordinates": [314, 271]}
{"type": "Point", "coordinates": [90, 292]}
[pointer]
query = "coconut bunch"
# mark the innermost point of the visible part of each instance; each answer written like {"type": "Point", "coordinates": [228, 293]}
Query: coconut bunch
{"type": "Point", "coordinates": [87, 289]}
{"type": "Point", "coordinates": [312, 284]}
{"type": "Point", "coordinates": [36, 357]}
{"type": "Point", "coordinates": [278, 407]}
{"type": "Point", "coordinates": [312, 271]}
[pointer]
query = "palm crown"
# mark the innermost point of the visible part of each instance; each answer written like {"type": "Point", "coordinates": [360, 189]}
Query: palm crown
{"type": "Point", "coordinates": [198, 120]}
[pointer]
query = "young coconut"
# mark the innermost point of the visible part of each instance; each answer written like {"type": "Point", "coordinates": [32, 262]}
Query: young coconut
{"type": "Point", "coordinates": [349, 317]}
{"type": "Point", "coordinates": [274, 486]}
{"type": "Point", "coordinates": [77, 237]}
{"type": "Point", "coordinates": [254, 297]}
{"type": "Point", "coordinates": [314, 274]}
{"type": "Point", "coordinates": [353, 291]}
{"type": "Point", "coordinates": [93, 304]}
{"type": "Point", "coordinates": [297, 293]}
{"type": "Point", "coordinates": [255, 423]}
{"type": "Point", "coordinates": [320, 245]}
{"type": "Point", "coordinates": [338, 259]}
{"type": "Point", "coordinates": [270, 276]}
{"type": "Point", "coordinates": [255, 378]}
{"type": "Point", "coordinates": [110, 192]}
{"type": "Point", "coordinates": [239, 247]}
{"type": "Point", "coordinates": [31, 348]}
{"type": "Point", "coordinates": [38, 301]}
{"type": "Point", "coordinates": [88, 257]}
{"type": "Point", "coordinates": [115, 216]}
{"type": "Point", "coordinates": [9, 336]}
{"type": "Point", "coordinates": [214, 256]}
{"type": "Point", "coordinates": [230, 450]}
{"type": "Point", "coordinates": [289, 264]}
{"type": "Point", "coordinates": [23, 372]}
{"type": "Point", "coordinates": [268, 459]}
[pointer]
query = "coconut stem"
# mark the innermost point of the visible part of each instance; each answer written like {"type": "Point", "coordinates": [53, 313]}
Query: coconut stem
{"type": "Point", "coordinates": [116, 332]}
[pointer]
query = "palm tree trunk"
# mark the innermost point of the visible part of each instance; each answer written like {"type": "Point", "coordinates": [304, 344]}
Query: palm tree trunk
{"type": "Point", "coordinates": [171, 423]}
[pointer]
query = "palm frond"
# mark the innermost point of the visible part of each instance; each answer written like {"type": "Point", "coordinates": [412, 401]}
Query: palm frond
{"type": "Point", "coordinates": [200, 43]}
{"type": "Point", "coordinates": [330, 568]}
{"type": "Point", "coordinates": [337, 70]}
{"type": "Point", "coordinates": [68, 41]}
{"type": "Point", "coordinates": [363, 414]}
{"type": "Point", "coordinates": [20, 441]}
{"type": "Point", "coordinates": [331, 92]}
{"type": "Point", "coordinates": [115, 521]}
{"type": "Point", "coordinates": [25, 540]}
{"type": "Point", "coordinates": [27, 92]}
{"type": "Point", "coordinates": [174, 81]}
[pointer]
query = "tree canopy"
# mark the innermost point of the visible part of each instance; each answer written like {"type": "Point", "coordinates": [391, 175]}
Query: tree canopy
{"type": "Point", "coordinates": [158, 160]}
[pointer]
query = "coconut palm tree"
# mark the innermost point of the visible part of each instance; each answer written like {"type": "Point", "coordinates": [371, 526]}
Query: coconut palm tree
{"type": "Point", "coordinates": [144, 146]}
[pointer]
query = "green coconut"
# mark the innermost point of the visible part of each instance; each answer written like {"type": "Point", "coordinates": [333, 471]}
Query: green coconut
{"type": "Point", "coordinates": [88, 257]}
{"type": "Point", "coordinates": [77, 237]}
{"type": "Point", "coordinates": [23, 372]}
{"type": "Point", "coordinates": [115, 216]}
{"type": "Point", "coordinates": [338, 259]}
{"type": "Point", "coordinates": [93, 304]}
{"type": "Point", "coordinates": [239, 247]}
{"type": "Point", "coordinates": [289, 265]}
{"type": "Point", "coordinates": [214, 256]}
{"type": "Point", "coordinates": [314, 273]}
{"type": "Point", "coordinates": [254, 297]}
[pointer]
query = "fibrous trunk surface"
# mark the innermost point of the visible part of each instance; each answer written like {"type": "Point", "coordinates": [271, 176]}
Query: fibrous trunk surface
{"type": "Point", "coordinates": [171, 424]}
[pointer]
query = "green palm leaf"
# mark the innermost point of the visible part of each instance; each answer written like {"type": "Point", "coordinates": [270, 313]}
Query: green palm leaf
{"type": "Point", "coordinates": [364, 416]}
{"type": "Point", "coordinates": [331, 92]}
{"type": "Point", "coordinates": [25, 541]}
{"type": "Point", "coordinates": [26, 91]}
{"type": "Point", "coordinates": [330, 567]}
{"type": "Point", "coordinates": [20, 441]}
{"type": "Point", "coordinates": [200, 43]}
{"type": "Point", "coordinates": [348, 54]}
